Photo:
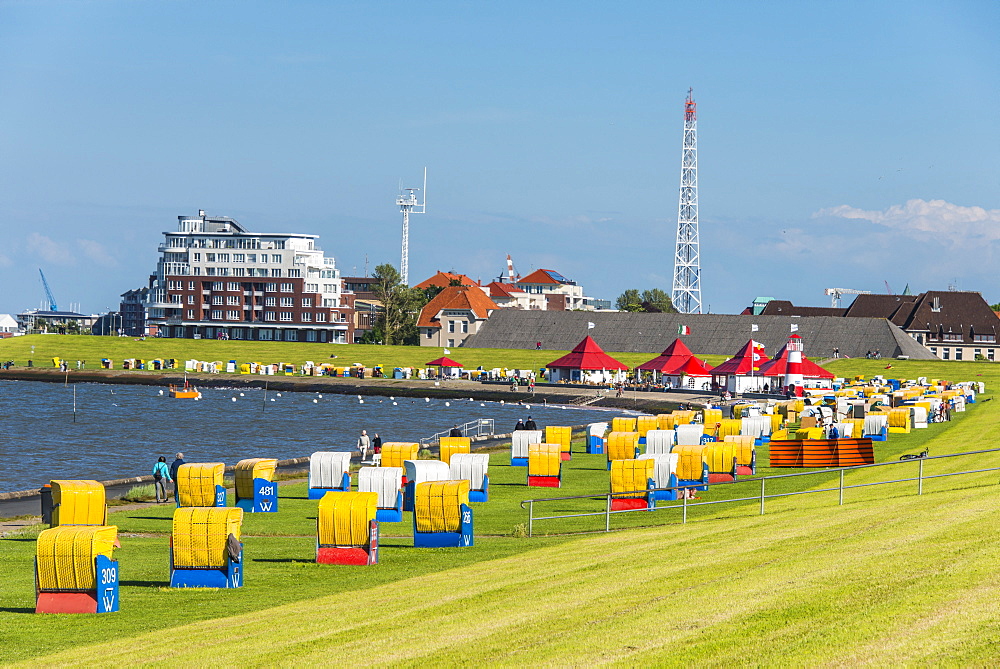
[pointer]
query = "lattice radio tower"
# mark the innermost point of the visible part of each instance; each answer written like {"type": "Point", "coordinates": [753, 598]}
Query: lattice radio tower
{"type": "Point", "coordinates": [408, 205]}
{"type": "Point", "coordinates": [686, 293]}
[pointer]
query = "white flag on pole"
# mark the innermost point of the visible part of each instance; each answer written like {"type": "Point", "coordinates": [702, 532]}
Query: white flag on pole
{"type": "Point", "coordinates": [590, 326]}
{"type": "Point", "coordinates": [754, 328]}
{"type": "Point", "coordinates": [795, 327]}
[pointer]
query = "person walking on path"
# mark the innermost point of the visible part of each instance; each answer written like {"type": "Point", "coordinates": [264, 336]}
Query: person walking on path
{"type": "Point", "coordinates": [377, 449]}
{"type": "Point", "coordinates": [364, 443]}
{"type": "Point", "coordinates": [160, 472]}
{"type": "Point", "coordinates": [174, 466]}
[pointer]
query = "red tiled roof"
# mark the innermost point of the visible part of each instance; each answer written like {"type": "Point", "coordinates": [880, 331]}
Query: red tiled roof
{"type": "Point", "coordinates": [468, 298]}
{"type": "Point", "coordinates": [539, 276]}
{"type": "Point", "coordinates": [499, 289]}
{"type": "Point", "coordinates": [444, 279]}
{"type": "Point", "coordinates": [587, 355]}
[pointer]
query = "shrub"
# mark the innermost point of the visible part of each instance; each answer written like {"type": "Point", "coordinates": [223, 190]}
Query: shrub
{"type": "Point", "coordinates": [140, 493]}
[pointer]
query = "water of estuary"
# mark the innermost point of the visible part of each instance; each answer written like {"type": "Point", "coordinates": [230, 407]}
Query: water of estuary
{"type": "Point", "coordinates": [121, 430]}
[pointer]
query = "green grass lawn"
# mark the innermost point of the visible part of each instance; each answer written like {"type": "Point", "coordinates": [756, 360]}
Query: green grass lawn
{"type": "Point", "coordinates": [910, 582]}
{"type": "Point", "coordinates": [887, 578]}
{"type": "Point", "coordinates": [92, 349]}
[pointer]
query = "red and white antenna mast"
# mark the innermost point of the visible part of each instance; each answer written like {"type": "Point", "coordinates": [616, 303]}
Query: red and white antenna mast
{"type": "Point", "coordinates": [511, 276]}
{"type": "Point", "coordinates": [686, 292]}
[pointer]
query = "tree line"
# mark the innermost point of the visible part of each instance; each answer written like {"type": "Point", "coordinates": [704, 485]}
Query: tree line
{"type": "Point", "coordinates": [653, 300]}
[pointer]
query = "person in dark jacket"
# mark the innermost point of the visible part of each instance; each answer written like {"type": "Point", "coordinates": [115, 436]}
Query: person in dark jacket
{"type": "Point", "coordinates": [174, 466]}
{"type": "Point", "coordinates": [519, 426]}
{"type": "Point", "coordinates": [530, 424]}
{"type": "Point", "coordinates": [455, 432]}
{"type": "Point", "coordinates": [377, 444]}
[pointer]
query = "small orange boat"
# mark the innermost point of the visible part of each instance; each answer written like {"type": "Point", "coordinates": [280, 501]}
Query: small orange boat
{"type": "Point", "coordinates": [187, 391]}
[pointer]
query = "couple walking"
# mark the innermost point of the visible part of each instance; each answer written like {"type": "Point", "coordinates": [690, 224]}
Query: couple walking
{"type": "Point", "coordinates": [366, 443]}
{"type": "Point", "coordinates": [163, 474]}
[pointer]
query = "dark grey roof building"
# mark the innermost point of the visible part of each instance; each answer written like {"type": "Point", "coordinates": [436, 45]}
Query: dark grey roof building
{"type": "Point", "coordinates": [952, 324]}
{"type": "Point", "coordinates": [710, 333]}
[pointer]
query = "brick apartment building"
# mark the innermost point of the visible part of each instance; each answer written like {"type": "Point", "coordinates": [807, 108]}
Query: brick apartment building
{"type": "Point", "coordinates": [216, 279]}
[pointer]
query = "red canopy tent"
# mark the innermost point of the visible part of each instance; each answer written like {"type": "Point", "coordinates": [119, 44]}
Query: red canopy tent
{"type": "Point", "coordinates": [741, 373]}
{"type": "Point", "coordinates": [672, 357]}
{"type": "Point", "coordinates": [586, 356]}
{"type": "Point", "coordinates": [443, 362]}
{"type": "Point", "coordinates": [449, 368]}
{"type": "Point", "coordinates": [748, 359]}
{"type": "Point", "coordinates": [693, 367]}
{"type": "Point", "coordinates": [778, 365]}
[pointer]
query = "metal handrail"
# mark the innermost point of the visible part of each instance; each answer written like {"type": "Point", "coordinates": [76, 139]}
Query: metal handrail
{"type": "Point", "coordinates": [476, 428]}
{"type": "Point", "coordinates": [608, 512]}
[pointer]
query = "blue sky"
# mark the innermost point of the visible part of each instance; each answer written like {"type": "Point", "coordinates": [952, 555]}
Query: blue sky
{"type": "Point", "coordinates": [840, 144]}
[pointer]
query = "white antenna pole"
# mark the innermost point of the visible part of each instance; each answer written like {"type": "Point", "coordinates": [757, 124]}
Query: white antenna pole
{"type": "Point", "coordinates": [408, 204]}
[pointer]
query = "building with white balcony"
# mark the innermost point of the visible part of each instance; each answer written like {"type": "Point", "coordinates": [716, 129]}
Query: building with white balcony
{"type": "Point", "coordinates": [217, 280]}
{"type": "Point", "coordinates": [554, 292]}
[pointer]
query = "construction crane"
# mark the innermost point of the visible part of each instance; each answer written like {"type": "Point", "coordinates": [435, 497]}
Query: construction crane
{"type": "Point", "coordinates": [48, 292]}
{"type": "Point", "coordinates": [835, 294]}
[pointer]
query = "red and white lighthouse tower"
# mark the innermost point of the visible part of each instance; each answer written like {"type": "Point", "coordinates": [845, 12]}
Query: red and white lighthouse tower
{"type": "Point", "coordinates": [793, 372]}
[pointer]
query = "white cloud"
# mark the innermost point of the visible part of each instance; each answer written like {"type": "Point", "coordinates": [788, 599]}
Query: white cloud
{"type": "Point", "coordinates": [96, 252]}
{"type": "Point", "coordinates": [49, 250]}
{"type": "Point", "coordinates": [935, 217]}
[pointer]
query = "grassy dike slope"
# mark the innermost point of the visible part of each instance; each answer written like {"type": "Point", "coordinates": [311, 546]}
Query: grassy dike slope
{"type": "Point", "coordinates": [907, 582]}
{"type": "Point", "coordinates": [92, 349]}
{"type": "Point", "coordinates": [887, 578]}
